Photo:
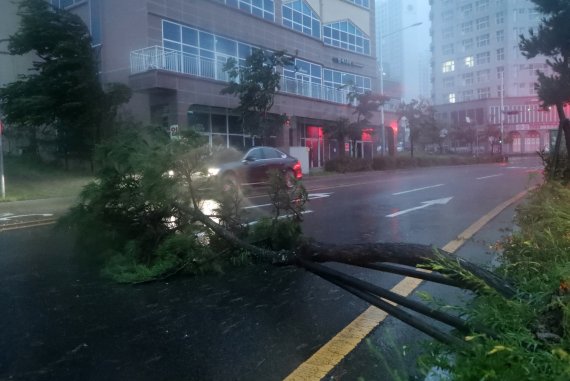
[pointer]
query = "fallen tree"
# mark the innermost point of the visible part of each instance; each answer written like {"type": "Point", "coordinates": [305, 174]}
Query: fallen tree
{"type": "Point", "coordinates": [145, 217]}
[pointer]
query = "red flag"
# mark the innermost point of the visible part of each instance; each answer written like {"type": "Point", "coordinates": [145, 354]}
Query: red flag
{"type": "Point", "coordinates": [1, 127]}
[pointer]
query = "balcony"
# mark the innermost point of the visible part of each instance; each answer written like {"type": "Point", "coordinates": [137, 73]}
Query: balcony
{"type": "Point", "coordinates": [159, 58]}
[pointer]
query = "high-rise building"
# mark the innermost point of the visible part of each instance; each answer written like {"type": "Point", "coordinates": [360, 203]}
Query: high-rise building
{"type": "Point", "coordinates": [10, 66]}
{"type": "Point", "coordinates": [481, 79]}
{"type": "Point", "coordinates": [172, 53]}
{"type": "Point", "coordinates": [402, 37]}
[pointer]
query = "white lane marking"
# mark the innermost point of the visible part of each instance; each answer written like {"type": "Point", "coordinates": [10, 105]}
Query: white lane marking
{"type": "Point", "coordinates": [488, 177]}
{"type": "Point", "coordinates": [417, 189]}
{"type": "Point", "coordinates": [425, 204]}
{"type": "Point", "coordinates": [311, 196]}
{"type": "Point", "coordinates": [12, 216]}
{"type": "Point", "coordinates": [2, 215]}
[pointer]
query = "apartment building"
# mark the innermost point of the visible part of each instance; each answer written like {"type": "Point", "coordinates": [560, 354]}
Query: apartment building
{"type": "Point", "coordinates": [171, 53]}
{"type": "Point", "coordinates": [481, 79]}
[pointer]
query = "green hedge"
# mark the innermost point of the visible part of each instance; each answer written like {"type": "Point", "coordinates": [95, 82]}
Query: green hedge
{"type": "Point", "coordinates": [348, 164]}
{"type": "Point", "coordinates": [380, 163]}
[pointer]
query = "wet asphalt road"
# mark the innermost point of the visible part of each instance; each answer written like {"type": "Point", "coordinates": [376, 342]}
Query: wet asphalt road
{"type": "Point", "coordinates": [62, 321]}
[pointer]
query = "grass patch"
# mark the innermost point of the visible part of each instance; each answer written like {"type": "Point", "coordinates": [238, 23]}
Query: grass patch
{"type": "Point", "coordinates": [533, 341]}
{"type": "Point", "coordinates": [29, 180]}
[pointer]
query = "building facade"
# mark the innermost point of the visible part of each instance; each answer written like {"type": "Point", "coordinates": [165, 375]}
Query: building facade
{"type": "Point", "coordinates": [481, 79]}
{"type": "Point", "coordinates": [172, 53]}
{"type": "Point", "coordinates": [402, 28]}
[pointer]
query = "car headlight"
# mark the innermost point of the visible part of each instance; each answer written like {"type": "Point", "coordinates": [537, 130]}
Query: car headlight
{"type": "Point", "coordinates": [213, 171]}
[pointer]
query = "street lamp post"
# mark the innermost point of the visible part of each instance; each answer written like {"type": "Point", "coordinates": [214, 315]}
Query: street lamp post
{"type": "Point", "coordinates": [382, 80]}
{"type": "Point", "coordinates": [502, 112]}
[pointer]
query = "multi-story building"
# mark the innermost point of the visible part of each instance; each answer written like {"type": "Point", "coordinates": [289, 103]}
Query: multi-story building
{"type": "Point", "coordinates": [10, 66]}
{"type": "Point", "coordinates": [481, 79]}
{"type": "Point", "coordinates": [172, 53]}
{"type": "Point", "coordinates": [402, 28]}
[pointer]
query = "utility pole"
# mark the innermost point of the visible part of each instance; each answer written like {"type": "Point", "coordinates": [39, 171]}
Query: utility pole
{"type": "Point", "coordinates": [502, 113]}
{"type": "Point", "coordinates": [2, 184]}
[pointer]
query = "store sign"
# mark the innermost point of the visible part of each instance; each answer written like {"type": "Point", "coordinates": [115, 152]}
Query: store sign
{"type": "Point", "coordinates": [347, 62]}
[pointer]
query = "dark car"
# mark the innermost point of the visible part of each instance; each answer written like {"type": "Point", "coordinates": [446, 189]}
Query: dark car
{"type": "Point", "coordinates": [255, 167]}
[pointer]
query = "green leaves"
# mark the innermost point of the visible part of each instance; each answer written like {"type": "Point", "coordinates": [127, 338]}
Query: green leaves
{"type": "Point", "coordinates": [62, 93]}
{"type": "Point", "coordinates": [255, 84]}
{"type": "Point", "coordinates": [551, 40]}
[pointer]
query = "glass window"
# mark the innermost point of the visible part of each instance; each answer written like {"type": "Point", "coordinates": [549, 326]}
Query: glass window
{"type": "Point", "coordinates": [170, 31]}
{"type": "Point", "coordinates": [270, 153]}
{"type": "Point", "coordinates": [199, 121]}
{"type": "Point", "coordinates": [500, 54]}
{"type": "Point", "coordinates": [95, 21]}
{"type": "Point", "coordinates": [340, 32]}
{"type": "Point", "coordinates": [467, 27]}
{"type": "Point", "coordinates": [500, 18]}
{"type": "Point", "coordinates": [190, 36]}
{"type": "Point", "coordinates": [482, 23]}
{"type": "Point", "coordinates": [362, 3]}
{"type": "Point", "coordinates": [172, 45]}
{"type": "Point", "coordinates": [483, 75]}
{"type": "Point", "coordinates": [206, 41]}
{"type": "Point", "coordinates": [483, 58]}
{"type": "Point", "coordinates": [298, 15]}
{"type": "Point", "coordinates": [467, 9]}
{"type": "Point", "coordinates": [484, 93]}
{"type": "Point", "coordinates": [483, 40]}
{"type": "Point", "coordinates": [448, 66]}
{"type": "Point", "coordinates": [64, 3]}
{"type": "Point", "coordinates": [260, 8]}
{"type": "Point", "coordinates": [219, 123]}
{"type": "Point", "coordinates": [500, 35]}
{"type": "Point", "coordinates": [481, 5]}
{"type": "Point", "coordinates": [337, 79]}
{"type": "Point", "coordinates": [234, 125]}
{"type": "Point", "coordinates": [255, 153]}
{"type": "Point", "coordinates": [469, 61]}
{"type": "Point", "coordinates": [226, 46]}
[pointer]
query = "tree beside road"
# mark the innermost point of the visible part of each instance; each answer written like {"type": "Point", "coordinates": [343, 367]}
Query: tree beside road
{"type": "Point", "coordinates": [61, 101]}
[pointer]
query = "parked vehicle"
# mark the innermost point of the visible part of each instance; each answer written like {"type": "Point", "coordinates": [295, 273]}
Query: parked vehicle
{"type": "Point", "coordinates": [255, 167]}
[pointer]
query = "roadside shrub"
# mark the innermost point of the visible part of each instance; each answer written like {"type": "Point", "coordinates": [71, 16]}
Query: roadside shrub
{"type": "Point", "coordinates": [532, 329]}
{"type": "Point", "coordinates": [348, 164]}
{"type": "Point", "coordinates": [380, 163]}
{"type": "Point", "coordinates": [555, 169]}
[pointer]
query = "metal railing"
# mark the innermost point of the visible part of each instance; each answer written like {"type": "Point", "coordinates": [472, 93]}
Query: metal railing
{"type": "Point", "coordinates": [159, 58]}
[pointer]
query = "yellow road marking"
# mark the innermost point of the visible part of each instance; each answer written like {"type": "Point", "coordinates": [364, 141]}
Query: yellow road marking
{"type": "Point", "coordinates": [329, 355]}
